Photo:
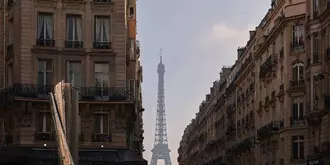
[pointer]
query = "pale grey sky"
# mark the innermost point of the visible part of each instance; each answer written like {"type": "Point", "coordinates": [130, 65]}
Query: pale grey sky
{"type": "Point", "coordinates": [197, 38]}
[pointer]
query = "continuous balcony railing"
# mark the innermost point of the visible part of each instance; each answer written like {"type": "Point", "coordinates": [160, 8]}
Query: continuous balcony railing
{"type": "Point", "coordinates": [268, 65]}
{"type": "Point", "coordinates": [270, 128]}
{"type": "Point", "coordinates": [242, 146]}
{"type": "Point", "coordinates": [41, 92]}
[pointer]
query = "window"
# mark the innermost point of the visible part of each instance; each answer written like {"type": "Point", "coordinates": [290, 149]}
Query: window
{"type": "Point", "coordinates": [44, 122]}
{"type": "Point", "coordinates": [45, 26]}
{"type": "Point", "coordinates": [132, 49]}
{"type": "Point", "coordinates": [298, 71]}
{"type": "Point", "coordinates": [315, 6]}
{"type": "Point", "coordinates": [298, 36]}
{"type": "Point", "coordinates": [131, 86]}
{"type": "Point", "coordinates": [10, 39]}
{"type": "Point", "coordinates": [101, 75]}
{"type": "Point", "coordinates": [45, 75]}
{"type": "Point", "coordinates": [316, 49]}
{"type": "Point", "coordinates": [74, 32]}
{"type": "Point", "coordinates": [101, 123]}
{"type": "Point", "coordinates": [102, 29]}
{"type": "Point", "coordinates": [10, 75]}
{"type": "Point", "coordinates": [297, 111]}
{"type": "Point", "coordinates": [74, 73]}
{"type": "Point", "coordinates": [298, 147]}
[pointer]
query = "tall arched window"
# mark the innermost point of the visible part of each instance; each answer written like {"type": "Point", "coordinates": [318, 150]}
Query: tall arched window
{"type": "Point", "coordinates": [298, 71]}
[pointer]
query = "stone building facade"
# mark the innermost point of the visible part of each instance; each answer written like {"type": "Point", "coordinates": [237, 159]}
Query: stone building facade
{"type": "Point", "coordinates": [89, 43]}
{"type": "Point", "coordinates": [272, 106]}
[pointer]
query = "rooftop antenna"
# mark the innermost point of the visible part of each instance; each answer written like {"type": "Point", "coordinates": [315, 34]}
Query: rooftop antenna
{"type": "Point", "coordinates": [161, 54]}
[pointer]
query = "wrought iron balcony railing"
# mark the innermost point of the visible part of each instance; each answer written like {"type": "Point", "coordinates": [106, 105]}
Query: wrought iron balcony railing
{"type": "Point", "coordinates": [297, 83]}
{"type": "Point", "coordinates": [102, 45]}
{"type": "Point", "coordinates": [269, 129]}
{"type": "Point", "coordinates": [41, 92]}
{"type": "Point", "coordinates": [45, 42]}
{"type": "Point", "coordinates": [268, 65]}
{"type": "Point", "coordinates": [297, 121]}
{"type": "Point", "coordinates": [298, 46]}
{"type": "Point", "coordinates": [74, 44]}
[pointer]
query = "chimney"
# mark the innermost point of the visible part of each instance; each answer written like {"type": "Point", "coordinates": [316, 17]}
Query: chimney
{"type": "Point", "coordinates": [252, 33]}
{"type": "Point", "coordinates": [208, 97]}
{"type": "Point", "coordinates": [240, 52]}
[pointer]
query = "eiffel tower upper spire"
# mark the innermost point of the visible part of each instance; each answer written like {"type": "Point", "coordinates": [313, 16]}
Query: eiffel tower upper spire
{"type": "Point", "coordinates": [160, 149]}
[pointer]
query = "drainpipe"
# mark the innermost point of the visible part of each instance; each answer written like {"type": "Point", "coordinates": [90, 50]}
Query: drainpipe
{"type": "Point", "coordinates": [4, 64]}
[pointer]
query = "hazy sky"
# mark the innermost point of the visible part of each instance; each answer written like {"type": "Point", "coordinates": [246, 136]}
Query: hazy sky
{"type": "Point", "coordinates": [197, 38]}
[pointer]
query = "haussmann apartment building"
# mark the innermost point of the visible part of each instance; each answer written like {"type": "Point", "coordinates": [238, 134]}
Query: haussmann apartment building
{"type": "Point", "coordinates": [272, 106]}
{"type": "Point", "coordinates": [89, 43]}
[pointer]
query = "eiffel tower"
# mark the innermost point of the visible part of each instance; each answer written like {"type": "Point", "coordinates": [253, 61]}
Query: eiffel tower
{"type": "Point", "coordinates": [161, 150]}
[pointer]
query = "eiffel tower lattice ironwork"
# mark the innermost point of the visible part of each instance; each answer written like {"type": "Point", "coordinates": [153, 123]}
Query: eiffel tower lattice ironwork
{"type": "Point", "coordinates": [160, 149]}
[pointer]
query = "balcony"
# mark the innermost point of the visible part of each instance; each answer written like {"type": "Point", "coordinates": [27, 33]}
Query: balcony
{"type": "Point", "coordinates": [10, 51]}
{"type": "Point", "coordinates": [297, 84]}
{"type": "Point", "coordinates": [105, 94]}
{"type": "Point", "coordinates": [74, 44]}
{"type": "Point", "coordinates": [41, 92]}
{"type": "Point", "coordinates": [268, 66]}
{"type": "Point", "coordinates": [297, 121]}
{"type": "Point", "coordinates": [269, 129]}
{"type": "Point", "coordinates": [242, 146]}
{"type": "Point", "coordinates": [297, 47]}
{"type": "Point", "coordinates": [45, 42]}
{"type": "Point", "coordinates": [44, 136]}
{"type": "Point", "coordinates": [102, 45]}
{"type": "Point", "coordinates": [101, 138]}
